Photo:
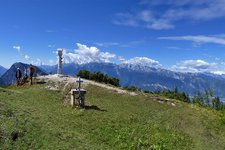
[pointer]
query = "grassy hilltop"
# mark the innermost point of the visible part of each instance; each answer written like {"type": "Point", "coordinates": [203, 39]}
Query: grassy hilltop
{"type": "Point", "coordinates": [37, 118]}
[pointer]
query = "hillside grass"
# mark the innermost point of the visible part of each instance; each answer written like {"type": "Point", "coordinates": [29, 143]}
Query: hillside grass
{"type": "Point", "coordinates": [41, 120]}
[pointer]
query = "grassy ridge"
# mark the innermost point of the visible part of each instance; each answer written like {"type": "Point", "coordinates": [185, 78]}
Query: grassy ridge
{"type": "Point", "coordinates": [111, 121]}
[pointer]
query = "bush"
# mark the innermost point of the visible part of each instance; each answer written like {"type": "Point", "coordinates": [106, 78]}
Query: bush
{"type": "Point", "coordinates": [131, 88]}
{"type": "Point", "coordinates": [175, 95]}
{"type": "Point", "coordinates": [98, 77]}
{"type": "Point", "coordinates": [83, 74]}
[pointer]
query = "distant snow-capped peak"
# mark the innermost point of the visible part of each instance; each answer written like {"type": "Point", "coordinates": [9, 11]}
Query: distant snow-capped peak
{"type": "Point", "coordinates": [141, 64]}
{"type": "Point", "coordinates": [143, 61]}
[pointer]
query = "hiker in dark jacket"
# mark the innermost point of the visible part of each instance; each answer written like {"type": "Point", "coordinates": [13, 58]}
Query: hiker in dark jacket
{"type": "Point", "coordinates": [18, 76]}
{"type": "Point", "coordinates": [31, 74]}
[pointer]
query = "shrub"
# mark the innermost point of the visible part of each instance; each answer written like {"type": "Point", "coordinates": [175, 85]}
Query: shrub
{"type": "Point", "coordinates": [131, 88]}
{"type": "Point", "coordinates": [98, 77]}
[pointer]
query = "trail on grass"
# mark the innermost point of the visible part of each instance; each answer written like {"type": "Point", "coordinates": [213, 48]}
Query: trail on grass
{"type": "Point", "coordinates": [72, 80]}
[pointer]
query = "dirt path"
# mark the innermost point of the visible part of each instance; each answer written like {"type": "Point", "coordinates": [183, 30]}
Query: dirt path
{"type": "Point", "coordinates": [69, 80]}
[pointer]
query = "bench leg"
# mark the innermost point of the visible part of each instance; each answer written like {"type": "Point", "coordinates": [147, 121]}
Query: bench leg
{"type": "Point", "coordinates": [72, 100]}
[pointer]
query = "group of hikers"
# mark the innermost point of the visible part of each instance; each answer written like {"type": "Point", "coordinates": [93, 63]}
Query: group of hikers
{"type": "Point", "coordinates": [21, 80]}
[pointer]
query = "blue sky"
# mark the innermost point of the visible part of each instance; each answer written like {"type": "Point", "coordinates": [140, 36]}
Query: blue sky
{"type": "Point", "coordinates": [181, 35]}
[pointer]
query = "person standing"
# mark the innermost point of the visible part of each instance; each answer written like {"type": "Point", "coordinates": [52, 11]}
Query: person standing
{"type": "Point", "coordinates": [31, 74]}
{"type": "Point", "coordinates": [18, 76]}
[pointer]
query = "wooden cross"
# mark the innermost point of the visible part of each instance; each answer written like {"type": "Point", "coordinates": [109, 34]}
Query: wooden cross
{"type": "Point", "coordinates": [79, 82]}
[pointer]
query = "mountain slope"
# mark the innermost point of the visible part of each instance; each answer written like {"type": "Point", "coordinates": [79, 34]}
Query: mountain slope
{"type": "Point", "coordinates": [110, 121]}
{"type": "Point", "coordinates": [9, 77]}
{"type": "Point", "coordinates": [148, 78]}
{"type": "Point", "coordinates": [2, 70]}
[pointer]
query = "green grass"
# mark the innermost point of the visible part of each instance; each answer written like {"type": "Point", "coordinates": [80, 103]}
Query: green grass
{"type": "Point", "coordinates": [113, 121]}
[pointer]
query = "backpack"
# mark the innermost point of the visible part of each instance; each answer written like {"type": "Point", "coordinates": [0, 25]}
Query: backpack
{"type": "Point", "coordinates": [31, 70]}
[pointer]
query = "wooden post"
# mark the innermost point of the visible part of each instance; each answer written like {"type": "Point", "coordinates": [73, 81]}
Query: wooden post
{"type": "Point", "coordinates": [72, 101]}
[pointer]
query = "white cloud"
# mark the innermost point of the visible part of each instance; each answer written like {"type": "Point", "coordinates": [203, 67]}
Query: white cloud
{"type": "Point", "coordinates": [197, 66]}
{"type": "Point", "coordinates": [197, 39]}
{"type": "Point", "coordinates": [17, 48]}
{"type": "Point", "coordinates": [151, 16]}
{"type": "Point", "coordinates": [173, 48]}
{"type": "Point", "coordinates": [160, 24]}
{"type": "Point", "coordinates": [143, 61]}
{"type": "Point", "coordinates": [26, 57]}
{"type": "Point", "coordinates": [51, 62]}
{"type": "Point", "coordinates": [126, 19]}
{"type": "Point", "coordinates": [84, 54]}
{"type": "Point", "coordinates": [22, 55]}
{"type": "Point", "coordinates": [37, 62]}
{"type": "Point", "coordinates": [126, 44]}
{"type": "Point", "coordinates": [175, 2]}
{"type": "Point", "coordinates": [219, 72]}
{"type": "Point", "coordinates": [121, 59]}
{"type": "Point", "coordinates": [143, 18]}
{"type": "Point", "coordinates": [107, 44]}
{"type": "Point", "coordinates": [51, 46]}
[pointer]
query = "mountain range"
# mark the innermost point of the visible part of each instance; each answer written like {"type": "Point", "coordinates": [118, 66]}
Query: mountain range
{"type": "Point", "coordinates": [9, 77]}
{"type": "Point", "coordinates": [144, 77]}
{"type": "Point", "coordinates": [150, 78]}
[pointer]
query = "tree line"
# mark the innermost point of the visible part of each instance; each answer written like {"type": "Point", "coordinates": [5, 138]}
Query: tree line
{"type": "Point", "coordinates": [204, 99]}
{"type": "Point", "coordinates": [99, 77]}
{"type": "Point", "coordinates": [207, 99]}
